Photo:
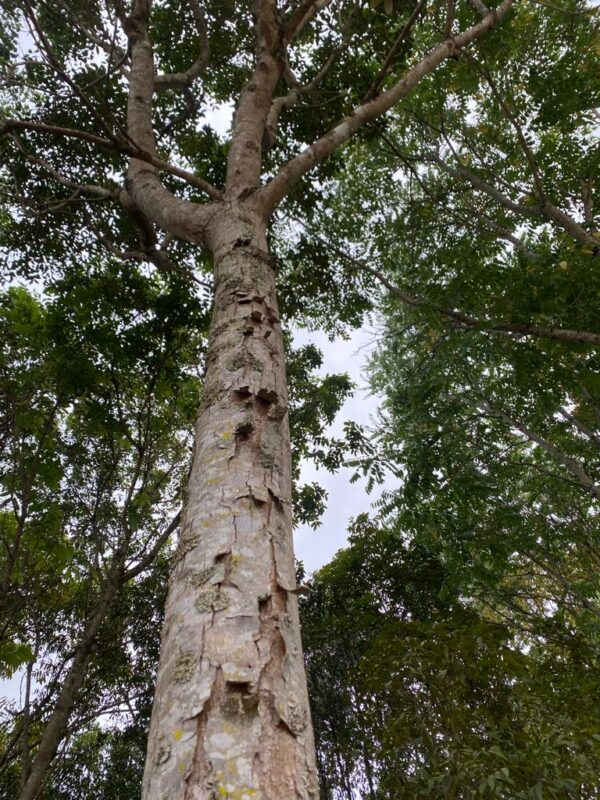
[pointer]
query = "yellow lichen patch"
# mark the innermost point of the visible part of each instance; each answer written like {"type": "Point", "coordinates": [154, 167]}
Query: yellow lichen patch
{"type": "Point", "coordinates": [211, 598]}
{"type": "Point", "coordinates": [181, 766]}
{"type": "Point", "coordinates": [177, 734]}
{"type": "Point", "coordinates": [227, 435]}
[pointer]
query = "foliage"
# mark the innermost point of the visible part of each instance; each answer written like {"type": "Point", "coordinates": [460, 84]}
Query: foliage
{"type": "Point", "coordinates": [418, 692]}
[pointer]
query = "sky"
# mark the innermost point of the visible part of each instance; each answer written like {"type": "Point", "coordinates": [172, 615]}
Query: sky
{"type": "Point", "coordinates": [345, 500]}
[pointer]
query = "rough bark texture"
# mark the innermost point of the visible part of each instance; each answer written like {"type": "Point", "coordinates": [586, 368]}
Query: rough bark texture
{"type": "Point", "coordinates": [231, 716]}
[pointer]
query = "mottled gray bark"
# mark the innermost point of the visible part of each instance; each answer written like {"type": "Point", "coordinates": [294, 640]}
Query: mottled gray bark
{"type": "Point", "coordinates": [231, 716]}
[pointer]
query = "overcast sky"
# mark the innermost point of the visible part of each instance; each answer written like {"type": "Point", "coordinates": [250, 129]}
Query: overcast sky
{"type": "Point", "coordinates": [345, 500]}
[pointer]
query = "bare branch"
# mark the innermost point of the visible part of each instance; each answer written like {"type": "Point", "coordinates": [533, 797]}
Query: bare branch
{"type": "Point", "coordinates": [7, 125]}
{"type": "Point", "coordinates": [552, 450]}
{"type": "Point", "coordinates": [145, 562]}
{"type": "Point", "coordinates": [385, 69]}
{"type": "Point", "coordinates": [555, 214]}
{"type": "Point", "coordinates": [303, 14]}
{"type": "Point", "coordinates": [289, 100]}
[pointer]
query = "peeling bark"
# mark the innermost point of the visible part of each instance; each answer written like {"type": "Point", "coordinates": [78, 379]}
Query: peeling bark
{"type": "Point", "coordinates": [231, 716]}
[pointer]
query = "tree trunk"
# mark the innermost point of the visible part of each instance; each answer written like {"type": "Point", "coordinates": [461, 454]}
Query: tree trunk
{"type": "Point", "coordinates": [231, 716]}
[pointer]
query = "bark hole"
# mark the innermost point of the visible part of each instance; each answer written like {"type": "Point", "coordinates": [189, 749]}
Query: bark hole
{"type": "Point", "coordinates": [242, 394]}
{"type": "Point", "coordinates": [243, 697]}
{"type": "Point", "coordinates": [244, 430]}
{"type": "Point", "coordinates": [267, 396]}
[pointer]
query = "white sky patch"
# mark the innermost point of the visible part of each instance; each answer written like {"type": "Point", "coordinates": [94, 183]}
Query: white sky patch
{"type": "Point", "coordinates": [345, 500]}
{"type": "Point", "coordinates": [220, 117]}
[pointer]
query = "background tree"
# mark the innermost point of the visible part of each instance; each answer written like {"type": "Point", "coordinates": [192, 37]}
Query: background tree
{"type": "Point", "coordinates": [419, 691]}
{"type": "Point", "coordinates": [487, 362]}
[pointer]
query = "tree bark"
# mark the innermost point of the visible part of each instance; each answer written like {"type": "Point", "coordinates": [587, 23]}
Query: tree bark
{"type": "Point", "coordinates": [231, 716]}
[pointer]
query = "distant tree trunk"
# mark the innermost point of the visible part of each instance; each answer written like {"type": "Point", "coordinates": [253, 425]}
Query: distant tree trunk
{"type": "Point", "coordinates": [231, 716]}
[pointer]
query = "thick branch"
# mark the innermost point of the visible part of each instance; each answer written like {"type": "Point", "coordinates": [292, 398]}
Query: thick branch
{"type": "Point", "coordinates": [249, 123]}
{"type": "Point", "coordinates": [276, 190]}
{"type": "Point", "coordinates": [177, 216]}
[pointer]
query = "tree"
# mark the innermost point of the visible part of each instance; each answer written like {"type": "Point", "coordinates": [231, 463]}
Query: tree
{"type": "Point", "coordinates": [231, 712]}
{"type": "Point", "coordinates": [419, 692]}
{"type": "Point", "coordinates": [487, 363]}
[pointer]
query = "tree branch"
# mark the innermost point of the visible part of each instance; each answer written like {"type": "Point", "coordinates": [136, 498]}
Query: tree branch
{"type": "Point", "coordinates": [276, 190]}
{"type": "Point", "coordinates": [549, 209]}
{"type": "Point", "coordinates": [384, 71]}
{"type": "Point", "coordinates": [289, 100]}
{"type": "Point", "coordinates": [303, 14]}
{"type": "Point", "coordinates": [552, 450]}
{"type": "Point", "coordinates": [460, 318]}
{"type": "Point", "coordinates": [7, 125]}
{"type": "Point", "coordinates": [181, 80]}
{"type": "Point", "coordinates": [244, 161]}
{"type": "Point", "coordinates": [152, 198]}
{"type": "Point", "coordinates": [145, 562]}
